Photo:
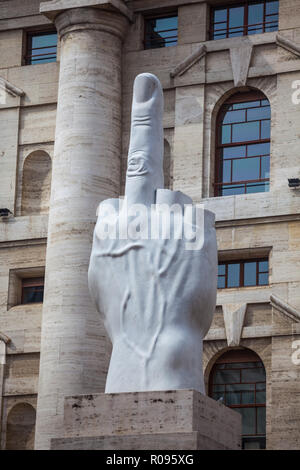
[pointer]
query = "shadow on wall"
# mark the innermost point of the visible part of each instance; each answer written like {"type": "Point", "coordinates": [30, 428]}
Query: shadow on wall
{"type": "Point", "coordinates": [21, 427]}
{"type": "Point", "coordinates": [36, 183]}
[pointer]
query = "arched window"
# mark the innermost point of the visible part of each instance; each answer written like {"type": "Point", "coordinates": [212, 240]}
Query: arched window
{"type": "Point", "coordinates": [243, 145]}
{"type": "Point", "coordinates": [238, 379]}
{"type": "Point", "coordinates": [36, 183]}
{"type": "Point", "coordinates": [20, 427]}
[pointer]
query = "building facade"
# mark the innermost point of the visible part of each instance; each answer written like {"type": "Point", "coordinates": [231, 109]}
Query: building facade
{"type": "Point", "coordinates": [230, 71]}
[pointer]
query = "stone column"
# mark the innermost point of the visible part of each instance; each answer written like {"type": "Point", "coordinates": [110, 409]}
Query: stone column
{"type": "Point", "coordinates": [86, 170]}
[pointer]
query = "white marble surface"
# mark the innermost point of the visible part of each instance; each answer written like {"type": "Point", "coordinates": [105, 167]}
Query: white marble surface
{"type": "Point", "coordinates": [156, 295]}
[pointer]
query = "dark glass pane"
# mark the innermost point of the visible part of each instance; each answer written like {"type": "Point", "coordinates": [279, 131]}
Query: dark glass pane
{"type": "Point", "coordinates": [239, 365]}
{"type": "Point", "coordinates": [43, 61]}
{"type": "Point", "coordinates": [220, 15]}
{"type": "Point", "coordinates": [236, 32]}
{"type": "Point", "coordinates": [255, 30]}
{"type": "Point", "coordinates": [231, 190]}
{"type": "Point", "coordinates": [221, 366]}
{"type": "Point", "coordinates": [253, 375]}
{"type": "Point", "coordinates": [161, 32]}
{"type": "Point", "coordinates": [250, 274]}
{"type": "Point", "coordinates": [261, 386]}
{"type": "Point", "coordinates": [263, 279]}
{"type": "Point", "coordinates": [233, 152]}
{"type": "Point", "coordinates": [248, 104]}
{"type": "Point", "coordinates": [220, 36]}
{"type": "Point", "coordinates": [270, 28]}
{"type": "Point", "coordinates": [246, 131]}
{"type": "Point", "coordinates": [259, 113]}
{"type": "Point", "coordinates": [234, 116]}
{"type": "Point", "coordinates": [261, 420]}
{"type": "Point", "coordinates": [257, 188]}
{"type": "Point", "coordinates": [248, 420]}
{"type": "Point", "coordinates": [224, 376]}
{"type": "Point", "coordinates": [218, 388]}
{"type": "Point", "coordinates": [265, 167]}
{"type": "Point", "coordinates": [226, 171]}
{"type": "Point", "coordinates": [33, 294]}
{"type": "Point", "coordinates": [233, 275]}
{"type": "Point", "coordinates": [43, 48]}
{"type": "Point", "coordinates": [48, 50]}
{"type": "Point", "coordinates": [220, 26]}
{"type": "Point", "coordinates": [248, 398]}
{"type": "Point", "coordinates": [221, 282]}
{"type": "Point", "coordinates": [240, 387]}
{"type": "Point", "coordinates": [272, 7]}
{"type": "Point", "coordinates": [226, 134]}
{"type": "Point", "coordinates": [233, 398]}
{"type": "Point", "coordinates": [45, 40]}
{"type": "Point", "coordinates": [236, 16]}
{"type": "Point", "coordinates": [221, 269]}
{"type": "Point", "coordinates": [245, 169]}
{"type": "Point", "coordinates": [265, 129]}
{"type": "Point", "coordinates": [258, 149]}
{"type": "Point", "coordinates": [263, 266]}
{"type": "Point", "coordinates": [260, 397]}
{"type": "Point", "coordinates": [166, 23]}
{"type": "Point", "coordinates": [256, 14]}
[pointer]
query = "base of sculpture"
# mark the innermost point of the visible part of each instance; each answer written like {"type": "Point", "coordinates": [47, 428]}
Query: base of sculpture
{"type": "Point", "coordinates": [166, 420]}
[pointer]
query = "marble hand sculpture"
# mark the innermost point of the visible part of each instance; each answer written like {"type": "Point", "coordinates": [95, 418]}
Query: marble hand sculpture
{"type": "Point", "coordinates": [156, 296]}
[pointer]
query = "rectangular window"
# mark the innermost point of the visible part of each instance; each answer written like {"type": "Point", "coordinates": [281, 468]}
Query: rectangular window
{"type": "Point", "coordinates": [32, 290]}
{"type": "Point", "coordinates": [41, 47]}
{"type": "Point", "coordinates": [246, 273]}
{"type": "Point", "coordinates": [249, 17]}
{"type": "Point", "coordinates": [161, 32]}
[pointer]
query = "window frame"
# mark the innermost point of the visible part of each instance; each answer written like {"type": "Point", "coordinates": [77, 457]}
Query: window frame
{"type": "Point", "coordinates": [159, 16]}
{"type": "Point", "coordinates": [245, 27]}
{"type": "Point", "coordinates": [239, 97]}
{"type": "Point", "coordinates": [240, 356]}
{"type": "Point", "coordinates": [28, 48]}
{"type": "Point", "coordinates": [242, 271]}
{"type": "Point", "coordinates": [31, 282]}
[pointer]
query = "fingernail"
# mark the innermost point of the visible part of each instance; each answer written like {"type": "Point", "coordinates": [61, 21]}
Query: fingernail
{"type": "Point", "coordinates": [144, 87]}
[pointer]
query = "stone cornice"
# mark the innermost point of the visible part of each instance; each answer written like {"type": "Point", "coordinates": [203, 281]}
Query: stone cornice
{"type": "Point", "coordinates": [285, 309]}
{"type": "Point", "coordinates": [10, 88]}
{"type": "Point", "coordinates": [287, 44]}
{"type": "Point", "coordinates": [189, 62]}
{"type": "Point", "coordinates": [4, 338]}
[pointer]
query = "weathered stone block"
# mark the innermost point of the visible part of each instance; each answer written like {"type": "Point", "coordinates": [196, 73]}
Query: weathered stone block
{"type": "Point", "coordinates": [174, 419]}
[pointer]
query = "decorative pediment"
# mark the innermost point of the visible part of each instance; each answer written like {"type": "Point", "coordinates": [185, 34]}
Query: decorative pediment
{"type": "Point", "coordinates": [187, 63]}
{"type": "Point", "coordinates": [234, 316]}
{"type": "Point", "coordinates": [10, 88]}
{"type": "Point", "coordinates": [287, 44]}
{"type": "Point", "coordinates": [285, 309]}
